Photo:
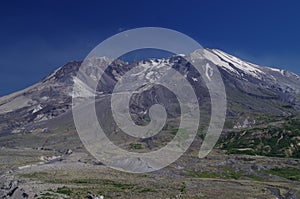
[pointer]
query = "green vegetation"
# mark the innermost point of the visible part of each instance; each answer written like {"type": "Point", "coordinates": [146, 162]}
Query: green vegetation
{"type": "Point", "coordinates": [136, 146]}
{"type": "Point", "coordinates": [288, 173]}
{"type": "Point", "coordinates": [204, 174]}
{"type": "Point", "coordinates": [84, 185]}
{"type": "Point", "coordinates": [254, 177]}
{"type": "Point", "coordinates": [277, 141]}
{"type": "Point", "coordinates": [173, 132]}
{"type": "Point", "coordinates": [64, 190]}
{"type": "Point", "coordinates": [46, 195]}
{"type": "Point", "coordinates": [182, 187]}
{"type": "Point", "coordinates": [51, 194]}
{"type": "Point", "coordinates": [288, 106]}
{"type": "Point", "coordinates": [145, 190]}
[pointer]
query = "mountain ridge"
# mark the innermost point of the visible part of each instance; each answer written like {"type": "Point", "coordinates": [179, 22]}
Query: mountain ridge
{"type": "Point", "coordinates": [51, 96]}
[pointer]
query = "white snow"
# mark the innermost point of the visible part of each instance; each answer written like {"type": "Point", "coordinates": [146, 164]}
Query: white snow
{"type": "Point", "coordinates": [217, 61]}
{"type": "Point", "coordinates": [37, 108]}
{"type": "Point", "coordinates": [208, 71]}
{"type": "Point", "coordinates": [44, 98]}
{"type": "Point", "coordinates": [277, 70]}
{"type": "Point", "coordinates": [232, 64]}
{"type": "Point", "coordinates": [81, 89]}
{"type": "Point", "coordinates": [151, 70]}
{"type": "Point", "coordinates": [246, 67]}
{"type": "Point", "coordinates": [150, 76]}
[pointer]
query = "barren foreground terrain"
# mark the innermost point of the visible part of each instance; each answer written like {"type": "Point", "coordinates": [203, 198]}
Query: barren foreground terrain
{"type": "Point", "coordinates": [28, 173]}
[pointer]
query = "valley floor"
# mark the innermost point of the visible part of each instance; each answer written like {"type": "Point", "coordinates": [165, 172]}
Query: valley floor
{"type": "Point", "coordinates": [44, 174]}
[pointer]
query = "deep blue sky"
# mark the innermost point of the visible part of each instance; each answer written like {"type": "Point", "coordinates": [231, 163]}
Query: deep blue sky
{"type": "Point", "coordinates": [39, 36]}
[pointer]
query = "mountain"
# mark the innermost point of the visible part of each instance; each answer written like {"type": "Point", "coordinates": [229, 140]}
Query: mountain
{"type": "Point", "coordinates": [42, 155]}
{"type": "Point", "coordinates": [256, 95]}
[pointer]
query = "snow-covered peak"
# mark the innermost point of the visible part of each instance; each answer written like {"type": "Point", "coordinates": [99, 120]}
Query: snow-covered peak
{"type": "Point", "coordinates": [151, 69]}
{"type": "Point", "coordinates": [233, 64]}
{"type": "Point", "coordinates": [214, 58]}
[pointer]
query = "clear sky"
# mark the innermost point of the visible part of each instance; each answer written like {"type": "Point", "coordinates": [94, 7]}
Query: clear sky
{"type": "Point", "coordinates": [39, 36]}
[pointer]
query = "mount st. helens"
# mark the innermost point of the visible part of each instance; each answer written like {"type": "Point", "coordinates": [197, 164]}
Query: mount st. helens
{"type": "Point", "coordinates": [263, 103]}
{"type": "Point", "coordinates": [43, 157]}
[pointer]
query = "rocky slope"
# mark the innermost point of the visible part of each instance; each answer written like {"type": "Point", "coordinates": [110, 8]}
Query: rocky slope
{"type": "Point", "coordinates": [255, 94]}
{"type": "Point", "coordinates": [42, 155]}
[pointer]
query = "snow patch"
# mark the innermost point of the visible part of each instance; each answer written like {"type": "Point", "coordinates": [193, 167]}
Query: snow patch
{"type": "Point", "coordinates": [246, 67]}
{"type": "Point", "coordinates": [37, 108]}
{"type": "Point", "coordinates": [208, 71]}
{"type": "Point", "coordinates": [194, 79]}
{"type": "Point", "coordinates": [81, 89]}
{"type": "Point", "coordinates": [217, 61]}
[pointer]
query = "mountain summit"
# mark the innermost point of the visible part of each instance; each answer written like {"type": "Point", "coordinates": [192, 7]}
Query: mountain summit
{"type": "Point", "coordinates": [258, 89]}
